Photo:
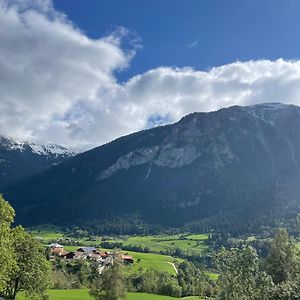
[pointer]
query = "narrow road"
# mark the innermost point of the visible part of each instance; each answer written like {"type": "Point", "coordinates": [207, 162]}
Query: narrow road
{"type": "Point", "coordinates": [173, 267]}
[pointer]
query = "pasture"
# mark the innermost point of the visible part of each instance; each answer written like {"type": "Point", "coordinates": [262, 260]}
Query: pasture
{"type": "Point", "coordinates": [158, 262]}
{"type": "Point", "coordinates": [46, 235]}
{"type": "Point", "coordinates": [83, 294]}
{"type": "Point", "coordinates": [189, 244]}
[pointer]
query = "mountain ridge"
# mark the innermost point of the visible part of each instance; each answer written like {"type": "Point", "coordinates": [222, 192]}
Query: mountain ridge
{"type": "Point", "coordinates": [241, 161]}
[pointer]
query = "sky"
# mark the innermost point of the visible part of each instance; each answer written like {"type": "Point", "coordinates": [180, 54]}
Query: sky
{"type": "Point", "coordinates": [84, 72]}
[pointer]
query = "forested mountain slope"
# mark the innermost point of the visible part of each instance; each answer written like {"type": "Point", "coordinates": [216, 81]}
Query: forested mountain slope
{"type": "Point", "coordinates": [234, 167]}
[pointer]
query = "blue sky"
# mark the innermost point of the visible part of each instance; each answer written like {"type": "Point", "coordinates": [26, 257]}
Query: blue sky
{"type": "Point", "coordinates": [77, 72]}
{"type": "Point", "coordinates": [196, 33]}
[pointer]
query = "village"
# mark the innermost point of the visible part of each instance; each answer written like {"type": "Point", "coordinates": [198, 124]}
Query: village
{"type": "Point", "coordinates": [101, 259]}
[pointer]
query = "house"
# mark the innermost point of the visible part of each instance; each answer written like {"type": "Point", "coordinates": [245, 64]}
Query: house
{"type": "Point", "coordinates": [127, 259]}
{"type": "Point", "coordinates": [69, 255]}
{"type": "Point", "coordinates": [96, 257]}
{"type": "Point", "coordinates": [56, 249]}
{"type": "Point", "coordinates": [101, 259]}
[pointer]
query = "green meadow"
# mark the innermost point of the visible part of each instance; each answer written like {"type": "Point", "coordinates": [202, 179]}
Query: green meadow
{"type": "Point", "coordinates": [212, 275]}
{"type": "Point", "coordinates": [158, 262]}
{"type": "Point", "coordinates": [189, 244]}
{"type": "Point", "coordinates": [84, 295]}
{"type": "Point", "coordinates": [46, 233]}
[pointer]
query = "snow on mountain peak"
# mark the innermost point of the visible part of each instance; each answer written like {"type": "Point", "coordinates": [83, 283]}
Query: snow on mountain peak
{"type": "Point", "coordinates": [49, 149]}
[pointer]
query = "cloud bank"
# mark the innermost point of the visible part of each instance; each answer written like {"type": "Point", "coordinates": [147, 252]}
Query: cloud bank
{"type": "Point", "coordinates": [58, 85]}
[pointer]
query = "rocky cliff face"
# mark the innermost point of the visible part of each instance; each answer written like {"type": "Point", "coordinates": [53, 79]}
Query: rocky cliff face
{"type": "Point", "coordinates": [239, 162]}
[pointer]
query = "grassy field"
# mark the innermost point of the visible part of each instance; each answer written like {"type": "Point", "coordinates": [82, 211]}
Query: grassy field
{"type": "Point", "coordinates": [46, 233]}
{"type": "Point", "coordinates": [84, 295]}
{"type": "Point", "coordinates": [190, 244]}
{"type": "Point", "coordinates": [162, 263]}
{"type": "Point", "coordinates": [212, 275]}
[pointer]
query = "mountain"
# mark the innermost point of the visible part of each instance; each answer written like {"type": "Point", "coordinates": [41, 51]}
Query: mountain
{"type": "Point", "coordinates": [21, 159]}
{"type": "Point", "coordinates": [231, 168]}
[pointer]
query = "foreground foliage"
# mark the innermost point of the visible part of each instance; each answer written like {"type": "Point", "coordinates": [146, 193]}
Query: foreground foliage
{"type": "Point", "coordinates": [23, 263]}
{"type": "Point", "coordinates": [244, 276]}
{"type": "Point", "coordinates": [7, 261]}
{"type": "Point", "coordinates": [83, 294]}
{"type": "Point", "coordinates": [110, 285]}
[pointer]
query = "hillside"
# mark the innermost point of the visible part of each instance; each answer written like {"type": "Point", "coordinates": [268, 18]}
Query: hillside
{"type": "Point", "coordinates": [232, 168]}
{"type": "Point", "coordinates": [21, 159]}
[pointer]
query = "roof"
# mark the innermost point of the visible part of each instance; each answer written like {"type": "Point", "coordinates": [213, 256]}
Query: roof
{"type": "Point", "coordinates": [95, 256]}
{"type": "Point", "coordinates": [127, 257]}
{"type": "Point", "coordinates": [57, 250]}
{"type": "Point", "coordinates": [65, 253]}
{"type": "Point", "coordinates": [55, 245]}
{"type": "Point", "coordinates": [103, 254]}
{"type": "Point", "coordinates": [87, 249]}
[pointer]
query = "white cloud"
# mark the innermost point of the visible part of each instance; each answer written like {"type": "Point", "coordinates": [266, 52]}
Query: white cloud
{"type": "Point", "coordinates": [193, 44]}
{"type": "Point", "coordinates": [167, 94]}
{"type": "Point", "coordinates": [58, 85]}
{"type": "Point", "coordinates": [47, 66]}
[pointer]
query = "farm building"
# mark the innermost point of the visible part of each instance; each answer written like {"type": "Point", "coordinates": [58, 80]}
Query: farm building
{"type": "Point", "coordinates": [56, 249]}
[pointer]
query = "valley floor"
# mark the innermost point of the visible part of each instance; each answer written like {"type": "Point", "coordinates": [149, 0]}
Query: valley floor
{"type": "Point", "coordinates": [158, 258]}
{"type": "Point", "coordinates": [187, 244]}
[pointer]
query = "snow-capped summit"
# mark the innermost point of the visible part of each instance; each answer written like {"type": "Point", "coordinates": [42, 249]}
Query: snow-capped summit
{"type": "Point", "coordinates": [19, 158]}
{"type": "Point", "coordinates": [48, 149]}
